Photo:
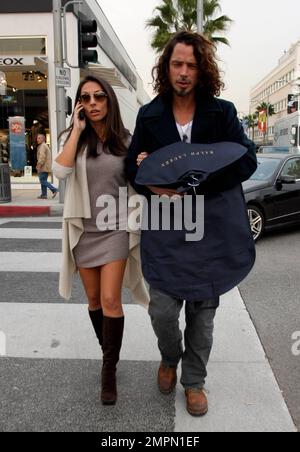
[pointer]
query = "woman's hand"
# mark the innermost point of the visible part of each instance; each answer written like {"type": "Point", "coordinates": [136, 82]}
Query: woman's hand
{"type": "Point", "coordinates": [141, 157]}
{"type": "Point", "coordinates": [79, 124]}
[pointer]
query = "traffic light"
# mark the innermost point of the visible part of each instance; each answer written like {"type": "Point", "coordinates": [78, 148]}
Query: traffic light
{"type": "Point", "coordinates": [68, 106]}
{"type": "Point", "coordinates": [87, 40]}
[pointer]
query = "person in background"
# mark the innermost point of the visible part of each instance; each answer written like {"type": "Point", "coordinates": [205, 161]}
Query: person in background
{"type": "Point", "coordinates": [44, 167]}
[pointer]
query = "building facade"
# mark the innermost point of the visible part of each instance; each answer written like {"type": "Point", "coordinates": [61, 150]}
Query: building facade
{"type": "Point", "coordinates": [28, 77]}
{"type": "Point", "coordinates": [275, 89]}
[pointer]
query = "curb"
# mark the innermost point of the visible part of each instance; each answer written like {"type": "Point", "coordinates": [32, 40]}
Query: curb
{"type": "Point", "coordinates": [30, 211]}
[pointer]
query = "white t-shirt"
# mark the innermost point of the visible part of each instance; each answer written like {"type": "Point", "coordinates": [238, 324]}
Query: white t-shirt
{"type": "Point", "coordinates": [185, 131]}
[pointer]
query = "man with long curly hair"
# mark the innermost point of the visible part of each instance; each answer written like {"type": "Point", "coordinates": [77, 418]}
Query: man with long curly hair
{"type": "Point", "coordinates": [187, 80]}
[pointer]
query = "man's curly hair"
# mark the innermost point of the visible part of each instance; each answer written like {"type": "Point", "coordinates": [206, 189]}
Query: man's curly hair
{"type": "Point", "coordinates": [205, 54]}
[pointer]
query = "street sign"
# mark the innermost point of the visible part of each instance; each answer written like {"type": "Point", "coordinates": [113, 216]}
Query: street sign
{"type": "Point", "coordinates": [63, 77]}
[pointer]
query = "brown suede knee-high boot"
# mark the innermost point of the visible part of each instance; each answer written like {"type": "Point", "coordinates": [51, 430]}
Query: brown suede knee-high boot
{"type": "Point", "coordinates": [112, 341]}
{"type": "Point", "coordinates": [97, 321]}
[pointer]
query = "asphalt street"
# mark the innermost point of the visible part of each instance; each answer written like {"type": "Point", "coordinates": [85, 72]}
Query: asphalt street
{"type": "Point", "coordinates": [272, 296]}
{"type": "Point", "coordinates": [50, 360]}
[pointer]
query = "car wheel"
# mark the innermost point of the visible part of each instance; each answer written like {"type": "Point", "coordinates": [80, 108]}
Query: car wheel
{"type": "Point", "coordinates": [257, 221]}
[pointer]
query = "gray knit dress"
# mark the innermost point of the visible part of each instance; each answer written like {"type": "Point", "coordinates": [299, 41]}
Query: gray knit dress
{"type": "Point", "coordinates": [106, 175]}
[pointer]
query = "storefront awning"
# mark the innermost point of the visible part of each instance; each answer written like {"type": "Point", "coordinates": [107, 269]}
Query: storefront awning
{"type": "Point", "coordinates": [109, 74]}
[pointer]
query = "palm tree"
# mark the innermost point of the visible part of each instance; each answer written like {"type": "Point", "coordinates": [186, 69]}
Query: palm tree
{"type": "Point", "coordinates": [270, 111]}
{"type": "Point", "coordinates": [251, 121]}
{"type": "Point", "coordinates": [177, 15]}
{"type": "Point", "coordinates": [267, 107]}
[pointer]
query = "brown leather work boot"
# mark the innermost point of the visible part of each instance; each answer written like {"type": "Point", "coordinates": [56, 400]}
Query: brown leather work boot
{"type": "Point", "coordinates": [197, 404]}
{"type": "Point", "coordinates": [167, 379]}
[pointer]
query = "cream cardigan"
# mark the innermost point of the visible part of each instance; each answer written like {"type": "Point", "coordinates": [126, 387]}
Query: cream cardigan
{"type": "Point", "coordinates": [77, 207]}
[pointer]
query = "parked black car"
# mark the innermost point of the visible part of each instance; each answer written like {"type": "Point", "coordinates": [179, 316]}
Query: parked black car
{"type": "Point", "coordinates": [273, 192]}
{"type": "Point", "coordinates": [273, 150]}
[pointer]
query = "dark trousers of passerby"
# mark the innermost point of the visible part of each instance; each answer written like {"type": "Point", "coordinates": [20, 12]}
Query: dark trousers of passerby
{"type": "Point", "coordinates": [43, 177]}
{"type": "Point", "coordinates": [164, 312]}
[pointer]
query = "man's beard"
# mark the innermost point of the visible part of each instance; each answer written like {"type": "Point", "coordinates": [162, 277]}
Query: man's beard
{"type": "Point", "coordinates": [183, 92]}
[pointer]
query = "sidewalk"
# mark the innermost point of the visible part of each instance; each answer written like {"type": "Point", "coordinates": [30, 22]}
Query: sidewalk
{"type": "Point", "coordinates": [25, 204]}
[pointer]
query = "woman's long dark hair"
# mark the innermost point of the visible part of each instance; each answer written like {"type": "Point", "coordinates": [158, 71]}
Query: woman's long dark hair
{"type": "Point", "coordinates": [115, 132]}
{"type": "Point", "coordinates": [205, 54]}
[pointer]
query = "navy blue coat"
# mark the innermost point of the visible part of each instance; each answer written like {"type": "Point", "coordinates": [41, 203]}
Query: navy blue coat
{"type": "Point", "coordinates": [204, 270]}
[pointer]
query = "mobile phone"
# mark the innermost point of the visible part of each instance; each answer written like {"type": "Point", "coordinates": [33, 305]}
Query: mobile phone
{"type": "Point", "coordinates": [81, 115]}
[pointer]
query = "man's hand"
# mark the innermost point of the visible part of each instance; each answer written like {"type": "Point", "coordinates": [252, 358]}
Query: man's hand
{"type": "Point", "coordinates": [163, 191]}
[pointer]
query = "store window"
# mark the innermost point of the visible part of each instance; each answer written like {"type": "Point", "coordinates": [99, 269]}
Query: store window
{"type": "Point", "coordinates": [23, 104]}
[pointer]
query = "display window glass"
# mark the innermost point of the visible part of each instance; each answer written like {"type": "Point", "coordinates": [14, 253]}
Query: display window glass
{"type": "Point", "coordinates": [24, 111]}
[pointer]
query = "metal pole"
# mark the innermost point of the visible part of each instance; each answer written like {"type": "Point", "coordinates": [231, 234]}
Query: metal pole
{"type": "Point", "coordinates": [64, 14]}
{"type": "Point", "coordinates": [60, 91]}
{"type": "Point", "coordinates": [267, 119]}
{"type": "Point", "coordinates": [200, 16]}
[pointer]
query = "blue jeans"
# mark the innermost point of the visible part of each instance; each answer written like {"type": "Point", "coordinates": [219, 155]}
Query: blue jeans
{"type": "Point", "coordinates": [45, 184]}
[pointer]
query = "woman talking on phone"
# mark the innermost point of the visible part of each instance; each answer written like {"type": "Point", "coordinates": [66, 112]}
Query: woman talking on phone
{"type": "Point", "coordinates": [91, 157]}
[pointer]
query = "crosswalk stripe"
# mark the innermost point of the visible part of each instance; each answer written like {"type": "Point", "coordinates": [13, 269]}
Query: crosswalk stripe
{"type": "Point", "coordinates": [38, 234]}
{"type": "Point", "coordinates": [68, 326]}
{"type": "Point", "coordinates": [30, 262]}
{"type": "Point", "coordinates": [31, 220]}
{"type": "Point", "coordinates": [67, 332]}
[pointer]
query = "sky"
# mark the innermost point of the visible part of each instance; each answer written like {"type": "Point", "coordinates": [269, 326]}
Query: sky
{"type": "Point", "coordinates": [262, 30]}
